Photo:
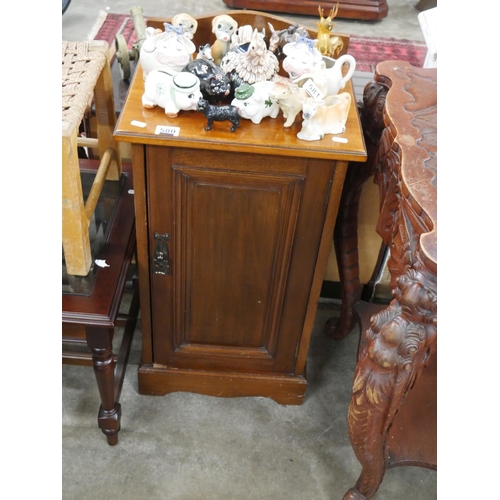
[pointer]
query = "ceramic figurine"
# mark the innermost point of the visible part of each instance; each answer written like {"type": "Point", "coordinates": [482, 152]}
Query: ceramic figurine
{"type": "Point", "coordinates": [328, 45]}
{"type": "Point", "coordinates": [219, 114]}
{"type": "Point", "coordinates": [243, 35]}
{"type": "Point", "coordinates": [173, 92]}
{"type": "Point", "coordinates": [188, 23]}
{"type": "Point", "coordinates": [254, 103]}
{"type": "Point", "coordinates": [205, 53]}
{"type": "Point", "coordinates": [324, 117]}
{"type": "Point", "coordinates": [252, 63]}
{"type": "Point", "coordinates": [215, 85]}
{"type": "Point", "coordinates": [223, 26]}
{"type": "Point", "coordinates": [279, 39]}
{"type": "Point", "coordinates": [289, 97]}
{"type": "Point", "coordinates": [303, 62]}
{"type": "Point", "coordinates": [169, 50]}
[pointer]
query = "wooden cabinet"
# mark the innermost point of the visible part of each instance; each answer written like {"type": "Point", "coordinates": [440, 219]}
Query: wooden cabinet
{"type": "Point", "coordinates": [366, 10]}
{"type": "Point", "coordinates": [240, 232]}
{"type": "Point", "coordinates": [233, 235]}
{"type": "Point", "coordinates": [243, 234]}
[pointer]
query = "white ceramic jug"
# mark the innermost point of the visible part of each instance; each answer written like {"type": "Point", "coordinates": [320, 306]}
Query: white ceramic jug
{"type": "Point", "coordinates": [335, 80]}
{"type": "Point", "coordinates": [303, 61]}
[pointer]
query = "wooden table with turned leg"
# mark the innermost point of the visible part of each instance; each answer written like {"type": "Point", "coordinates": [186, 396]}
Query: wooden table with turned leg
{"type": "Point", "coordinates": [91, 304]}
{"type": "Point", "coordinates": [392, 414]}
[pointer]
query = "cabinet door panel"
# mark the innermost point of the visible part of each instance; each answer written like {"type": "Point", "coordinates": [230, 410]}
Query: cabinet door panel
{"type": "Point", "coordinates": [232, 234]}
{"type": "Point", "coordinates": [236, 231]}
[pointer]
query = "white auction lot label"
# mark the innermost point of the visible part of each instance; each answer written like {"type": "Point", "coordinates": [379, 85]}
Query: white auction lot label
{"type": "Point", "coordinates": [311, 88]}
{"type": "Point", "coordinates": [167, 130]}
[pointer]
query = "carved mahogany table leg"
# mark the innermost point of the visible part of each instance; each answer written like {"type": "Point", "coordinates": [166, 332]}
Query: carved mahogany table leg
{"type": "Point", "coordinates": [99, 341]}
{"type": "Point", "coordinates": [345, 237]}
{"type": "Point", "coordinates": [399, 342]}
{"type": "Point", "coordinates": [401, 339]}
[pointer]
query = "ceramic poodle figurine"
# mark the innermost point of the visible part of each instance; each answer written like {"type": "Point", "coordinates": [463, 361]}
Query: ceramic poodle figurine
{"type": "Point", "coordinates": [223, 26]}
{"type": "Point", "coordinates": [219, 114]}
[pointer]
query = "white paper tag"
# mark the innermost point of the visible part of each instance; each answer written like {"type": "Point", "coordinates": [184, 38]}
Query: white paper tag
{"type": "Point", "coordinates": [311, 88]}
{"type": "Point", "coordinates": [137, 123]}
{"type": "Point", "coordinates": [167, 130]}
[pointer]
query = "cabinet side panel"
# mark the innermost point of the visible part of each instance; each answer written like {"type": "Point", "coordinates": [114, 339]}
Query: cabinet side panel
{"type": "Point", "coordinates": [141, 218]}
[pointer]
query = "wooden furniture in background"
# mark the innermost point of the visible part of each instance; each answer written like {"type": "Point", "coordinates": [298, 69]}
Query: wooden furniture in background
{"type": "Point", "coordinates": [91, 303]}
{"type": "Point", "coordinates": [345, 236]}
{"type": "Point", "coordinates": [366, 10]}
{"type": "Point", "coordinates": [86, 79]}
{"type": "Point", "coordinates": [233, 236]}
{"type": "Point", "coordinates": [392, 415]}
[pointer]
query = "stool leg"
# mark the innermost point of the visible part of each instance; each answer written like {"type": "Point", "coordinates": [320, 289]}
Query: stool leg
{"type": "Point", "coordinates": [99, 341]}
{"type": "Point", "coordinates": [75, 233]}
{"type": "Point", "coordinates": [106, 114]}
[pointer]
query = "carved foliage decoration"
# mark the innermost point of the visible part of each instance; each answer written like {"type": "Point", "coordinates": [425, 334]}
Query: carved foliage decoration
{"type": "Point", "coordinates": [403, 336]}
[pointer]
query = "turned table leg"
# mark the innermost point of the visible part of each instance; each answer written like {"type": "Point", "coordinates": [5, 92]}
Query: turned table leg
{"type": "Point", "coordinates": [99, 341]}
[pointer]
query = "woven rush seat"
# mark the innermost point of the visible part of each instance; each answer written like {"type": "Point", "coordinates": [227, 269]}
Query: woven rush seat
{"type": "Point", "coordinates": [86, 81]}
{"type": "Point", "coordinates": [81, 67]}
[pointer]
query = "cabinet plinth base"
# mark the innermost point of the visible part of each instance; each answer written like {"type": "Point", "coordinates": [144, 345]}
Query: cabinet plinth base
{"type": "Point", "coordinates": [284, 389]}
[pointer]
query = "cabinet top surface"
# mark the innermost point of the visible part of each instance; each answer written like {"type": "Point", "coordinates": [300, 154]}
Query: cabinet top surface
{"type": "Point", "coordinates": [268, 137]}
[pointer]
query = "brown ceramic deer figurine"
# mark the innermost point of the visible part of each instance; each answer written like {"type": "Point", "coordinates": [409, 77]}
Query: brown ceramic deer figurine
{"type": "Point", "coordinates": [328, 45]}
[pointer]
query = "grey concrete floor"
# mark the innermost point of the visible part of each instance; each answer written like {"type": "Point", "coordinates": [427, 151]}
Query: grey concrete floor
{"type": "Point", "coordinates": [191, 447]}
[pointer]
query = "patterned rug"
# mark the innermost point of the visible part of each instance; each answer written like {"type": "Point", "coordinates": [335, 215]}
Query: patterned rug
{"type": "Point", "coordinates": [367, 51]}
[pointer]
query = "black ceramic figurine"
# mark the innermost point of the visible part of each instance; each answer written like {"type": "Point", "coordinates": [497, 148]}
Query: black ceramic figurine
{"type": "Point", "coordinates": [219, 114]}
{"type": "Point", "coordinates": [215, 85]}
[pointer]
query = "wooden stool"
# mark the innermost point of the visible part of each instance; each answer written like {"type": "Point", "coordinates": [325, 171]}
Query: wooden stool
{"type": "Point", "coordinates": [86, 78]}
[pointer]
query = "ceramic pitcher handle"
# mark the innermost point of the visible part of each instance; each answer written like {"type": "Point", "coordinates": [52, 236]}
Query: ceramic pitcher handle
{"type": "Point", "coordinates": [347, 58]}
